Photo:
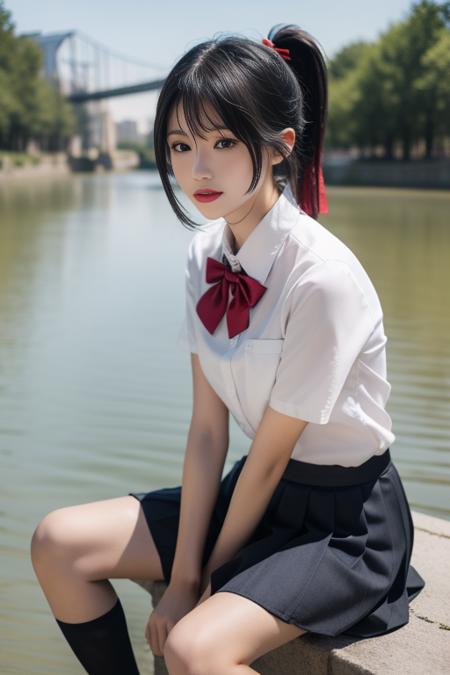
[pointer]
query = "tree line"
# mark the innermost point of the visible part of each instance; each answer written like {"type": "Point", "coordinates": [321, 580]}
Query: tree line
{"type": "Point", "coordinates": [31, 108]}
{"type": "Point", "coordinates": [393, 95]}
{"type": "Point", "coordinates": [389, 97]}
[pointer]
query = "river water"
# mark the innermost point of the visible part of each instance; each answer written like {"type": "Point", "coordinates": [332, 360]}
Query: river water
{"type": "Point", "coordinates": [95, 389]}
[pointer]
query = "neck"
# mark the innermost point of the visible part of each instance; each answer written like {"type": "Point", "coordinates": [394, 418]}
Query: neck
{"type": "Point", "coordinates": [244, 220]}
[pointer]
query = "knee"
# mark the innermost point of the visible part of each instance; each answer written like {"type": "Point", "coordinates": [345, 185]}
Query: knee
{"type": "Point", "coordinates": [186, 653]}
{"type": "Point", "coordinates": [49, 537]}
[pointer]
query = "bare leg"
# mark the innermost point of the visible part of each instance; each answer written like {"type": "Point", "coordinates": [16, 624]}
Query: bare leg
{"type": "Point", "coordinates": [76, 549]}
{"type": "Point", "coordinates": [223, 635]}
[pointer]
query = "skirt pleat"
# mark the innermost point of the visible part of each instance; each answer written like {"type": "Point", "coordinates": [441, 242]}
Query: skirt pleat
{"type": "Point", "coordinates": [331, 560]}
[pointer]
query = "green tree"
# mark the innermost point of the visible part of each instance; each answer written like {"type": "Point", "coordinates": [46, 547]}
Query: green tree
{"type": "Point", "coordinates": [30, 107]}
{"type": "Point", "coordinates": [359, 99]}
{"type": "Point", "coordinates": [344, 74]}
{"type": "Point", "coordinates": [56, 119]}
{"type": "Point", "coordinates": [377, 99]}
{"type": "Point", "coordinates": [8, 107]}
{"type": "Point", "coordinates": [402, 49]}
{"type": "Point", "coordinates": [434, 86]}
{"type": "Point", "coordinates": [346, 59]}
{"type": "Point", "coordinates": [8, 103]}
{"type": "Point", "coordinates": [25, 86]}
{"type": "Point", "coordinates": [394, 91]}
{"type": "Point", "coordinates": [7, 38]}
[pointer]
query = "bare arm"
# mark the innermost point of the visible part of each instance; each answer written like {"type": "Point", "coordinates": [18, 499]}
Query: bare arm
{"type": "Point", "coordinates": [267, 458]}
{"type": "Point", "coordinates": [205, 454]}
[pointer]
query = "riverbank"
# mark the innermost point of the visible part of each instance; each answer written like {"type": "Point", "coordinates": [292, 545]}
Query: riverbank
{"type": "Point", "coordinates": [18, 165]}
{"type": "Point", "coordinates": [420, 174]}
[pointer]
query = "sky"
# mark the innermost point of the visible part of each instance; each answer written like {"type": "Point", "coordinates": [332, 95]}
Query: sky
{"type": "Point", "coordinates": [159, 33]}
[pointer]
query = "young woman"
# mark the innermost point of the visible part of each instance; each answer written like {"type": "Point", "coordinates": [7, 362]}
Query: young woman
{"type": "Point", "coordinates": [311, 530]}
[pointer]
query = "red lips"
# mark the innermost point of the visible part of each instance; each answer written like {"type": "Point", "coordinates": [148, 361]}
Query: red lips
{"type": "Point", "coordinates": [207, 196]}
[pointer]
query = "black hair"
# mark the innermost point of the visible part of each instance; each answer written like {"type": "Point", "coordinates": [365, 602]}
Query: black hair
{"type": "Point", "coordinates": [256, 93]}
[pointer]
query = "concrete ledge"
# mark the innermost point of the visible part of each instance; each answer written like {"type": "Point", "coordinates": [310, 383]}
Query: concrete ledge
{"type": "Point", "coordinates": [419, 648]}
{"type": "Point", "coordinates": [416, 173]}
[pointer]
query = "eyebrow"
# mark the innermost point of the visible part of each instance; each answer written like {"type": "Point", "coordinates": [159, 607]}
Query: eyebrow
{"type": "Point", "coordinates": [180, 132]}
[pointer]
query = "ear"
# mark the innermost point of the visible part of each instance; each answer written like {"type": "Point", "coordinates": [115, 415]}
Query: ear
{"type": "Point", "coordinates": [288, 138]}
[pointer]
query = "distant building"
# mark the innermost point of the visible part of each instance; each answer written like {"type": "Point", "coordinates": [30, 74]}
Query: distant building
{"type": "Point", "coordinates": [127, 132]}
{"type": "Point", "coordinates": [102, 128]}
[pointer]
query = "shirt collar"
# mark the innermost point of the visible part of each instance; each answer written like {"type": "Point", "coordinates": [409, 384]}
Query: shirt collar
{"type": "Point", "coordinates": [259, 250]}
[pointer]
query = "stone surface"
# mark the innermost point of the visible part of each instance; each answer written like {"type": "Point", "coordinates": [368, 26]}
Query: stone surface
{"type": "Point", "coordinates": [419, 648]}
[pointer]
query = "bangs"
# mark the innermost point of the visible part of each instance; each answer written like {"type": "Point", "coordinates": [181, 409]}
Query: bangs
{"type": "Point", "coordinates": [206, 88]}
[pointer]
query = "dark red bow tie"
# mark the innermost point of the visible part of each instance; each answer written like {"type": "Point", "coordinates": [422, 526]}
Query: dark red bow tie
{"type": "Point", "coordinates": [212, 305]}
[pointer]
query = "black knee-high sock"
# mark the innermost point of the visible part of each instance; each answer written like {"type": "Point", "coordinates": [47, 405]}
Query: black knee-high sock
{"type": "Point", "coordinates": [102, 645]}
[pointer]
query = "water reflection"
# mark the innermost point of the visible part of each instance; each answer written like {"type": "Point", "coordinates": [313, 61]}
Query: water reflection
{"type": "Point", "coordinates": [402, 239]}
{"type": "Point", "coordinates": [95, 391]}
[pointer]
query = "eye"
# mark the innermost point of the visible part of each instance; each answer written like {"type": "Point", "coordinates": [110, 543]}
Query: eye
{"type": "Point", "coordinates": [222, 140]}
{"type": "Point", "coordinates": [227, 140]}
{"type": "Point", "coordinates": [174, 145]}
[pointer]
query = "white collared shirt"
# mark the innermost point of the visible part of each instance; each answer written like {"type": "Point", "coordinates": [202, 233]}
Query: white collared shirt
{"type": "Point", "coordinates": [315, 345]}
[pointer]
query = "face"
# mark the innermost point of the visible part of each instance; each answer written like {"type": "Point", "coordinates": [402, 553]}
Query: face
{"type": "Point", "coordinates": [219, 162]}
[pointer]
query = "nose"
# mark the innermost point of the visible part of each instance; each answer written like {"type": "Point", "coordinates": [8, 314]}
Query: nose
{"type": "Point", "coordinates": [200, 167]}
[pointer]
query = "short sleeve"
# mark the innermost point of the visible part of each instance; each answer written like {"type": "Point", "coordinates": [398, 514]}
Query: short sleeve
{"type": "Point", "coordinates": [329, 322]}
{"type": "Point", "coordinates": [187, 331]}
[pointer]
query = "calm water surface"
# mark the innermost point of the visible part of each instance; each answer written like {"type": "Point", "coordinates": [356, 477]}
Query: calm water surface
{"type": "Point", "coordinates": [95, 389]}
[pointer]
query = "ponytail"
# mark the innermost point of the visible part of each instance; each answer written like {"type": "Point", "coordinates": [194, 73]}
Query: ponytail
{"type": "Point", "coordinates": [308, 65]}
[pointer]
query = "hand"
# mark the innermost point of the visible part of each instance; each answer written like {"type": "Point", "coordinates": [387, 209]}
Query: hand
{"type": "Point", "coordinates": [177, 600]}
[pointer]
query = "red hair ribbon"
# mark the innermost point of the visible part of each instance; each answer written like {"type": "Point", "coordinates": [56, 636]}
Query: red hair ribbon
{"type": "Point", "coordinates": [285, 53]}
{"type": "Point", "coordinates": [312, 196]}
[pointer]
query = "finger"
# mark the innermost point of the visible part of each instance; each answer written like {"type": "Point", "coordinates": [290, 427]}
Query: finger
{"type": "Point", "coordinates": [147, 627]}
{"type": "Point", "coordinates": [162, 635]}
{"type": "Point", "coordinates": [148, 635]}
{"type": "Point", "coordinates": [154, 639]}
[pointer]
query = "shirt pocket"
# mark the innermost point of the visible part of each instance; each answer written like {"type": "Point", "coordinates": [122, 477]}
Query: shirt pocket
{"type": "Point", "coordinates": [261, 360]}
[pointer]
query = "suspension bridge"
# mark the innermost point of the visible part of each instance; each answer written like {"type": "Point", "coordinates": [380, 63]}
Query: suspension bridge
{"type": "Point", "coordinates": [88, 73]}
{"type": "Point", "coordinates": [86, 70]}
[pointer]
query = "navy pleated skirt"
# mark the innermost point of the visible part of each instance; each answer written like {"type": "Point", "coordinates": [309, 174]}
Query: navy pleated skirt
{"type": "Point", "coordinates": [331, 553]}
